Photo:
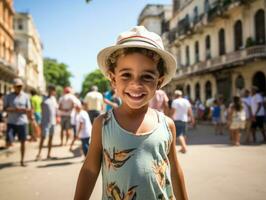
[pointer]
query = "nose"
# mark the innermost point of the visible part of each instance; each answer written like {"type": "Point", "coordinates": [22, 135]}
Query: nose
{"type": "Point", "coordinates": [136, 82]}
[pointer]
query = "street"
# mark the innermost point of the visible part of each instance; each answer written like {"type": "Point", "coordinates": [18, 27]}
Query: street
{"type": "Point", "coordinates": [213, 170]}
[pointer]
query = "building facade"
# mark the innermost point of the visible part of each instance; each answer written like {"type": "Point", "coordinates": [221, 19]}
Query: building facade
{"type": "Point", "coordinates": [28, 45]}
{"type": "Point", "coordinates": [219, 46]}
{"type": "Point", "coordinates": [8, 70]}
{"type": "Point", "coordinates": [156, 17]}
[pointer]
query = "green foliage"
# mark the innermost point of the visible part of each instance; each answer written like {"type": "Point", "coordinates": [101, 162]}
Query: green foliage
{"type": "Point", "coordinates": [95, 78]}
{"type": "Point", "coordinates": [56, 73]}
{"type": "Point", "coordinates": [250, 42]}
{"type": "Point", "coordinates": [88, 1]}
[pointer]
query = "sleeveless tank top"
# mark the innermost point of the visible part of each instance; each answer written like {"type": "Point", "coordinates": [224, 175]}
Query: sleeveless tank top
{"type": "Point", "coordinates": [136, 167]}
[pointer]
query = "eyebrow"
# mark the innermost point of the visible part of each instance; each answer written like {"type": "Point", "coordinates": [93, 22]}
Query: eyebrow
{"type": "Point", "coordinates": [128, 69]}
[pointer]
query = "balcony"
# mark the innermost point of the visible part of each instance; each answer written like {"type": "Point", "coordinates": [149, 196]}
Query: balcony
{"type": "Point", "coordinates": [225, 61]}
{"type": "Point", "coordinates": [183, 27]}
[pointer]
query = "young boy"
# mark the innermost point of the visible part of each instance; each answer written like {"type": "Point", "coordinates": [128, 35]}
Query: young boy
{"type": "Point", "coordinates": [134, 144]}
{"type": "Point", "coordinates": [83, 127]}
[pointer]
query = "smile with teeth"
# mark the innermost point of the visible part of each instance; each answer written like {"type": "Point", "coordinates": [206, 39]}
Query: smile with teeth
{"type": "Point", "coordinates": [135, 95]}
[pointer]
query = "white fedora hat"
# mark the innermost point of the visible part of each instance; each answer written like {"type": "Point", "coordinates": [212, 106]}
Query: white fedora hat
{"type": "Point", "coordinates": [139, 37]}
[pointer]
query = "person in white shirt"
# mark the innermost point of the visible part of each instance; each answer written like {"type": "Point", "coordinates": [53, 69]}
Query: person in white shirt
{"type": "Point", "coordinates": [182, 114]}
{"type": "Point", "coordinates": [66, 105]}
{"type": "Point", "coordinates": [84, 127]}
{"type": "Point", "coordinates": [258, 113]}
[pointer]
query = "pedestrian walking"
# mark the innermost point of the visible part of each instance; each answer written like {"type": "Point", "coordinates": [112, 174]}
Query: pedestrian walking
{"type": "Point", "coordinates": [258, 113]}
{"type": "Point", "coordinates": [182, 114]}
{"type": "Point", "coordinates": [73, 121]}
{"type": "Point", "coordinates": [17, 105]}
{"type": "Point", "coordinates": [66, 105]}
{"type": "Point", "coordinates": [94, 103]}
{"type": "Point", "coordinates": [48, 120]}
{"type": "Point", "coordinates": [83, 127]}
{"type": "Point", "coordinates": [36, 102]}
{"type": "Point", "coordinates": [236, 119]}
{"type": "Point", "coordinates": [135, 142]}
{"type": "Point", "coordinates": [216, 117]}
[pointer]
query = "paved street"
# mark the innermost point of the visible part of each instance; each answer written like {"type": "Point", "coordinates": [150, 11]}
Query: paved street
{"type": "Point", "coordinates": [213, 170]}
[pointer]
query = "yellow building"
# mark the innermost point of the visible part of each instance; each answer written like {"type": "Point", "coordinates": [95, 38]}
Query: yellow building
{"type": "Point", "coordinates": [219, 45]}
{"type": "Point", "coordinates": [8, 70]}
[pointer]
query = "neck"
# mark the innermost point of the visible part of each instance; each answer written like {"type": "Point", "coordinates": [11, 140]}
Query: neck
{"type": "Point", "coordinates": [133, 112]}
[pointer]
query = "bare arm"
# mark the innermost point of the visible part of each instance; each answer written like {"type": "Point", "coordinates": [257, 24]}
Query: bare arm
{"type": "Point", "coordinates": [113, 104]}
{"type": "Point", "coordinates": [190, 114]}
{"type": "Point", "coordinates": [92, 165]}
{"type": "Point", "coordinates": [177, 176]}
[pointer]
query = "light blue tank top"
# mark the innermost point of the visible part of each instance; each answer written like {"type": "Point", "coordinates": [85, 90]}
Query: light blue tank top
{"type": "Point", "coordinates": [136, 167]}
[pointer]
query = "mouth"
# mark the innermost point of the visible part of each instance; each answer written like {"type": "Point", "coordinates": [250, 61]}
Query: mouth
{"type": "Point", "coordinates": [135, 96]}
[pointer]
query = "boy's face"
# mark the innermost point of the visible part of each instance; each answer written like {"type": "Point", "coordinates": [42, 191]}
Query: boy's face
{"type": "Point", "coordinates": [136, 79]}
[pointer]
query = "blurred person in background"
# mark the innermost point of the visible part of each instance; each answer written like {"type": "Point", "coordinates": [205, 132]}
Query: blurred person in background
{"type": "Point", "coordinates": [17, 105]}
{"type": "Point", "coordinates": [258, 113]}
{"type": "Point", "coordinates": [246, 99]}
{"type": "Point", "coordinates": [111, 100]}
{"type": "Point", "coordinates": [216, 117]}
{"type": "Point", "coordinates": [66, 105]}
{"type": "Point", "coordinates": [48, 120]}
{"type": "Point", "coordinates": [182, 114]}
{"type": "Point", "coordinates": [36, 102]}
{"type": "Point", "coordinates": [94, 103]}
{"type": "Point", "coordinates": [74, 123]}
{"type": "Point", "coordinates": [236, 119]}
{"type": "Point", "coordinates": [223, 114]}
{"type": "Point", "coordinates": [83, 128]}
{"type": "Point", "coordinates": [159, 101]}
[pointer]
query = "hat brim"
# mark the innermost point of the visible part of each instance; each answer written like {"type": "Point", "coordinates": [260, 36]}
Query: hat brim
{"type": "Point", "coordinates": [169, 60]}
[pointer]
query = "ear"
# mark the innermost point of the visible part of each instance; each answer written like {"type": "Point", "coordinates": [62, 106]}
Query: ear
{"type": "Point", "coordinates": [112, 79]}
{"type": "Point", "coordinates": [160, 81]}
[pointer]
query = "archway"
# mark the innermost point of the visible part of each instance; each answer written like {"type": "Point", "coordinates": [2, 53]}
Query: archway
{"type": "Point", "coordinates": [259, 80]}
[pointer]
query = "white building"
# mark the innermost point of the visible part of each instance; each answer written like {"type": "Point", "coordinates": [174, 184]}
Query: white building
{"type": "Point", "coordinates": [28, 44]}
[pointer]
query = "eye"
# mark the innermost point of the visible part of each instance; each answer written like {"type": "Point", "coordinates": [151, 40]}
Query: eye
{"type": "Point", "coordinates": [125, 75]}
{"type": "Point", "coordinates": [148, 77]}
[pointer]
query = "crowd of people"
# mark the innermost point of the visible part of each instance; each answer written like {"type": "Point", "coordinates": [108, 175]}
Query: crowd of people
{"type": "Point", "coordinates": [38, 115]}
{"type": "Point", "coordinates": [32, 117]}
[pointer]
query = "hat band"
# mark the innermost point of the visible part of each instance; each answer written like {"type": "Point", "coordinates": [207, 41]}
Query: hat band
{"type": "Point", "coordinates": [139, 39]}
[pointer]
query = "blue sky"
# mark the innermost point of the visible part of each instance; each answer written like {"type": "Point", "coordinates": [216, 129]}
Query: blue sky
{"type": "Point", "coordinates": [73, 32]}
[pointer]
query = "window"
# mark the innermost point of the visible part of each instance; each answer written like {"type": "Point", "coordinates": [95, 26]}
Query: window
{"type": "Point", "coordinates": [221, 42]}
{"type": "Point", "coordinates": [187, 56]}
{"type": "Point", "coordinates": [206, 6]}
{"type": "Point", "coordinates": [260, 26]}
{"type": "Point", "coordinates": [208, 46]}
{"type": "Point", "coordinates": [208, 90]}
{"type": "Point", "coordinates": [240, 82]}
{"type": "Point", "coordinates": [188, 90]}
{"type": "Point", "coordinates": [196, 52]}
{"type": "Point", "coordinates": [238, 36]}
{"type": "Point", "coordinates": [195, 17]}
{"type": "Point", "coordinates": [197, 91]}
{"type": "Point", "coordinates": [20, 24]}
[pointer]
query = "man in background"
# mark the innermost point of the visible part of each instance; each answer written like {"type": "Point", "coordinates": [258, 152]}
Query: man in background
{"type": "Point", "coordinates": [94, 103]}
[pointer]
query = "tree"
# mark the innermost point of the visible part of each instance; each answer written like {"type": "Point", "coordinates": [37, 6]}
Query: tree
{"type": "Point", "coordinates": [95, 78]}
{"type": "Point", "coordinates": [57, 74]}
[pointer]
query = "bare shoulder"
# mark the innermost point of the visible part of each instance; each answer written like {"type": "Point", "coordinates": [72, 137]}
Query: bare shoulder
{"type": "Point", "coordinates": [170, 123]}
{"type": "Point", "coordinates": [98, 123]}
